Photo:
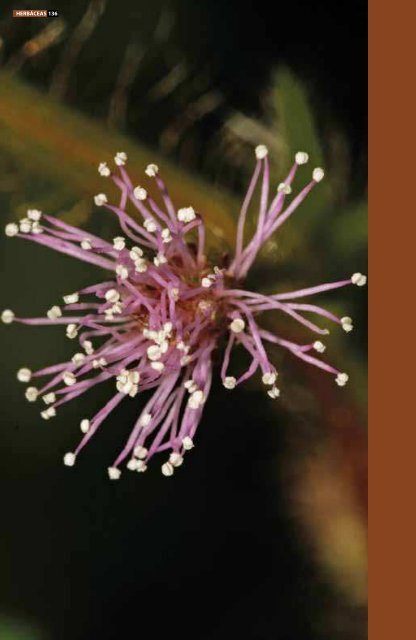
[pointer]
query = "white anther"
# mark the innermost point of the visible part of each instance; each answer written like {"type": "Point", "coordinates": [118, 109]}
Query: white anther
{"type": "Point", "coordinates": [119, 243]}
{"type": "Point", "coordinates": [358, 279]}
{"type": "Point", "coordinates": [140, 452]}
{"type": "Point", "coordinates": [88, 348]}
{"type": "Point", "coordinates": [24, 375]}
{"type": "Point", "coordinates": [154, 352]}
{"type": "Point", "coordinates": [185, 360]}
{"type": "Point", "coordinates": [103, 169]}
{"type": "Point", "coordinates": [237, 325]}
{"type": "Point", "coordinates": [11, 229]}
{"type": "Point", "coordinates": [31, 394]}
{"type": "Point", "coordinates": [145, 419]}
{"type": "Point", "coordinates": [159, 259]}
{"type": "Point", "coordinates": [261, 151]}
{"type": "Point", "coordinates": [186, 214]}
{"type": "Point", "coordinates": [49, 398]}
{"type": "Point", "coordinates": [86, 244]}
{"type": "Point", "coordinates": [167, 328]}
{"type": "Point", "coordinates": [71, 331]}
{"type": "Point", "coordinates": [141, 466]}
{"type": "Point", "coordinates": [98, 364]}
{"type": "Point", "coordinates": [120, 158]}
{"type": "Point", "coordinates": [36, 228]}
{"type": "Point", "coordinates": [269, 378]}
{"type": "Point", "coordinates": [274, 393]}
{"type": "Point", "coordinates": [157, 366]}
{"type": "Point", "coordinates": [318, 174]}
{"type": "Point", "coordinates": [132, 464]}
{"type": "Point", "coordinates": [100, 199]}
{"type": "Point", "coordinates": [113, 472]}
{"type": "Point", "coordinates": [191, 386]}
{"type": "Point", "coordinates": [140, 265]}
{"type": "Point", "coordinates": [206, 282]}
{"type": "Point", "coordinates": [69, 378]}
{"type": "Point", "coordinates": [187, 443]}
{"type": "Point", "coordinates": [69, 459]}
{"type": "Point", "coordinates": [85, 425]}
{"type": "Point", "coordinates": [71, 298]}
{"type": "Point", "coordinates": [346, 323]}
{"type": "Point", "coordinates": [112, 295]}
{"type": "Point", "coordinates": [50, 412]}
{"type": "Point", "coordinates": [54, 313]}
{"type": "Point", "coordinates": [166, 236]}
{"type": "Point", "coordinates": [196, 399]}
{"type": "Point", "coordinates": [301, 157]}
{"type": "Point", "coordinates": [167, 469]}
{"type": "Point", "coordinates": [140, 193]}
{"type": "Point", "coordinates": [25, 225]}
{"type": "Point", "coordinates": [78, 359]}
{"type": "Point", "coordinates": [319, 346]}
{"type": "Point", "coordinates": [34, 215]}
{"type": "Point", "coordinates": [284, 188]}
{"type": "Point", "coordinates": [175, 459]}
{"type": "Point", "coordinates": [7, 316]}
{"type": "Point", "coordinates": [229, 382]}
{"type": "Point", "coordinates": [151, 170]}
{"type": "Point", "coordinates": [136, 253]}
{"type": "Point", "coordinates": [122, 272]}
{"type": "Point", "coordinates": [342, 379]}
{"type": "Point", "coordinates": [150, 225]}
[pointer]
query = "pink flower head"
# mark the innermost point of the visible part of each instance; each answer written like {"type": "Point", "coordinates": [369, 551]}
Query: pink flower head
{"type": "Point", "coordinates": [154, 323]}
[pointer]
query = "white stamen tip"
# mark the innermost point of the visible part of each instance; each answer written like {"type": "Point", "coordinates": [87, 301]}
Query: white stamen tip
{"type": "Point", "coordinates": [78, 359]}
{"type": "Point", "coordinates": [273, 393]}
{"type": "Point", "coordinates": [319, 346]}
{"type": "Point", "coordinates": [114, 473]}
{"type": "Point", "coordinates": [284, 188]}
{"type": "Point", "coordinates": [119, 243]}
{"type": "Point", "coordinates": [342, 379]}
{"type": "Point", "coordinates": [167, 469]}
{"type": "Point", "coordinates": [269, 378]}
{"type": "Point", "coordinates": [24, 375]}
{"type": "Point", "coordinates": [151, 170]}
{"type": "Point", "coordinates": [86, 244]}
{"type": "Point", "coordinates": [122, 272]}
{"type": "Point", "coordinates": [141, 466]}
{"type": "Point", "coordinates": [34, 215]}
{"type": "Point", "coordinates": [112, 295]}
{"type": "Point", "coordinates": [103, 169]}
{"type": "Point", "coordinates": [87, 346]}
{"type": "Point", "coordinates": [346, 324]}
{"type": "Point", "coordinates": [49, 398]}
{"type": "Point", "coordinates": [31, 394]}
{"type": "Point", "coordinates": [11, 229]}
{"type": "Point", "coordinates": [71, 298]}
{"type": "Point", "coordinates": [157, 366]}
{"type": "Point", "coordinates": [54, 313]}
{"type": "Point", "coordinates": [140, 193]}
{"type": "Point", "coordinates": [237, 325]}
{"type": "Point", "coordinates": [7, 316]}
{"type": "Point", "coordinates": [166, 236]}
{"type": "Point", "coordinates": [48, 413]}
{"type": "Point", "coordinates": [188, 443]}
{"type": "Point", "coordinates": [140, 452]}
{"type": "Point", "coordinates": [25, 225]}
{"type": "Point", "coordinates": [120, 158]}
{"type": "Point", "coordinates": [359, 279]}
{"type": "Point", "coordinates": [318, 174]}
{"type": "Point", "coordinates": [85, 425]}
{"type": "Point", "coordinates": [229, 382]}
{"type": "Point", "coordinates": [71, 331]}
{"type": "Point", "coordinates": [206, 283]}
{"type": "Point", "coordinates": [69, 459]}
{"type": "Point", "coordinates": [132, 464]}
{"type": "Point", "coordinates": [100, 199]}
{"type": "Point", "coordinates": [261, 151]}
{"type": "Point", "coordinates": [186, 214]}
{"type": "Point", "coordinates": [145, 419]}
{"type": "Point", "coordinates": [301, 157]}
{"type": "Point", "coordinates": [154, 352]}
{"type": "Point", "coordinates": [196, 399]}
{"type": "Point", "coordinates": [175, 459]}
{"type": "Point", "coordinates": [150, 225]}
{"type": "Point", "coordinates": [69, 378]}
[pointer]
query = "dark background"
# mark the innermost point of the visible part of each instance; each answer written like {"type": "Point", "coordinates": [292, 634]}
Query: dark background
{"type": "Point", "coordinates": [215, 552]}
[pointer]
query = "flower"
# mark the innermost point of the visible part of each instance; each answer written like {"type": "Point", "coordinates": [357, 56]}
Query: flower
{"type": "Point", "coordinates": [155, 322]}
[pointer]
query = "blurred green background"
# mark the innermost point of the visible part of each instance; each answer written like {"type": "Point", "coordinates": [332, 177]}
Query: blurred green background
{"type": "Point", "coordinates": [262, 534]}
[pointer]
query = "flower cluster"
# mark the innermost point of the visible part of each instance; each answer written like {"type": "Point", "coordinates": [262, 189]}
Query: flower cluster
{"type": "Point", "coordinates": [154, 324]}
